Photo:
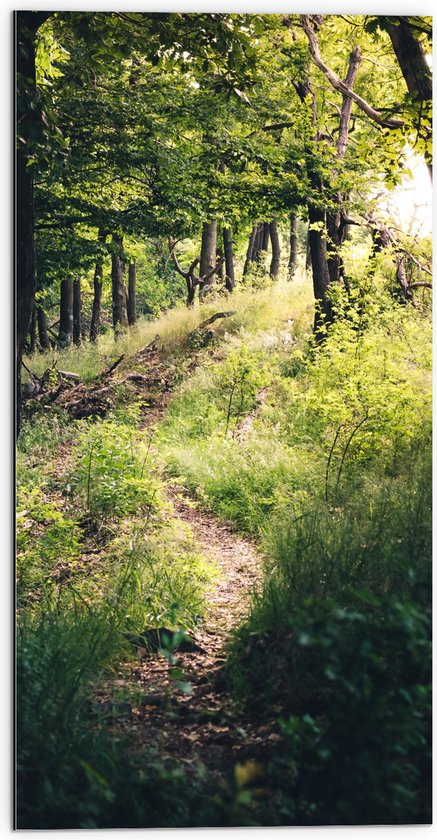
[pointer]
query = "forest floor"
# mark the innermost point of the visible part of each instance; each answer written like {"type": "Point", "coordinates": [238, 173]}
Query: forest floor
{"type": "Point", "coordinates": [192, 718]}
{"type": "Point", "coordinates": [175, 704]}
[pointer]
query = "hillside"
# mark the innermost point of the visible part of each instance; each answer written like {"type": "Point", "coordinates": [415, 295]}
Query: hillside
{"type": "Point", "coordinates": [223, 579]}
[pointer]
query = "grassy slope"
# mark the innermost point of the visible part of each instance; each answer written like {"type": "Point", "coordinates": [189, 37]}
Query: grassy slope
{"type": "Point", "coordinates": [325, 458]}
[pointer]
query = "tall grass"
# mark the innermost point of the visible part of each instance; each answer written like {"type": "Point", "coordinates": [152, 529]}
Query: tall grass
{"type": "Point", "coordinates": [269, 308]}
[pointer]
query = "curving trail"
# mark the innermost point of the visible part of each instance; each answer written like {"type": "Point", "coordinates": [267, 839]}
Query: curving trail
{"type": "Point", "coordinates": [203, 726]}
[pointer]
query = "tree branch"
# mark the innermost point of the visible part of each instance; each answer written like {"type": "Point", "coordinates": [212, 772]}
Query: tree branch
{"type": "Point", "coordinates": [178, 267]}
{"type": "Point", "coordinates": [207, 277]}
{"type": "Point", "coordinates": [419, 285]}
{"type": "Point", "coordinates": [338, 84]}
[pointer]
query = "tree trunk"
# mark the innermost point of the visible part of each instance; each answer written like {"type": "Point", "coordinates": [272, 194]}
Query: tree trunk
{"type": "Point", "coordinates": [229, 259]}
{"type": "Point", "coordinates": [221, 270]}
{"type": "Point", "coordinates": [77, 312]}
{"type": "Point", "coordinates": [265, 236]}
{"type": "Point", "coordinates": [119, 295]}
{"type": "Point", "coordinates": [132, 295]}
{"type": "Point", "coordinates": [308, 252]}
{"type": "Point", "coordinates": [324, 314]}
{"type": "Point", "coordinates": [208, 249]}
{"type": "Point", "coordinates": [26, 25]}
{"type": "Point", "coordinates": [98, 279]}
{"type": "Point", "coordinates": [250, 248]}
{"type": "Point", "coordinates": [335, 221]}
{"type": "Point", "coordinates": [414, 67]}
{"type": "Point", "coordinates": [32, 330]}
{"type": "Point", "coordinates": [276, 250]}
{"type": "Point", "coordinates": [191, 291]}
{"type": "Point", "coordinates": [321, 279]}
{"type": "Point", "coordinates": [292, 263]}
{"type": "Point", "coordinates": [66, 313]}
{"type": "Point", "coordinates": [258, 244]}
{"type": "Point", "coordinates": [44, 341]}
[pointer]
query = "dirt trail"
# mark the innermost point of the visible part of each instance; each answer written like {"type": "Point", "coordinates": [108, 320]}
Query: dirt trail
{"type": "Point", "coordinates": [203, 725]}
{"type": "Point", "coordinates": [146, 703]}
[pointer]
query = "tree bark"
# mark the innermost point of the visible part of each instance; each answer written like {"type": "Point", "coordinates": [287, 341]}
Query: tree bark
{"type": "Point", "coordinates": [32, 330]}
{"type": "Point", "coordinates": [66, 313]}
{"type": "Point", "coordinates": [132, 295]}
{"type": "Point", "coordinates": [258, 244]}
{"type": "Point", "coordinates": [221, 270]}
{"type": "Point", "coordinates": [265, 236]}
{"type": "Point", "coordinates": [119, 294]}
{"type": "Point", "coordinates": [98, 282]}
{"type": "Point", "coordinates": [414, 68]}
{"type": "Point", "coordinates": [229, 259]}
{"type": "Point", "coordinates": [276, 250]}
{"type": "Point", "coordinates": [77, 312]}
{"type": "Point", "coordinates": [292, 263]}
{"type": "Point", "coordinates": [26, 26]}
{"type": "Point", "coordinates": [308, 252]}
{"type": "Point", "coordinates": [250, 249]}
{"type": "Point", "coordinates": [321, 278]}
{"type": "Point", "coordinates": [44, 341]}
{"type": "Point", "coordinates": [208, 249]}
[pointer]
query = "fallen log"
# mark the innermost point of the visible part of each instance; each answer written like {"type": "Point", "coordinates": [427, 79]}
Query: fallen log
{"type": "Point", "coordinates": [213, 318]}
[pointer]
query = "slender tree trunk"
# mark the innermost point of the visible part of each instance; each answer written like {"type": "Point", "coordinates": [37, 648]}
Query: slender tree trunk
{"type": "Point", "coordinates": [382, 239]}
{"type": "Point", "coordinates": [132, 295]}
{"type": "Point", "coordinates": [229, 259]}
{"type": "Point", "coordinates": [77, 312]}
{"type": "Point", "coordinates": [321, 279]}
{"type": "Point", "coordinates": [401, 277]}
{"type": "Point", "coordinates": [335, 221]}
{"type": "Point", "coordinates": [258, 244]}
{"type": "Point", "coordinates": [98, 281]}
{"type": "Point", "coordinates": [66, 313]}
{"type": "Point", "coordinates": [292, 263]}
{"type": "Point", "coordinates": [191, 291]}
{"type": "Point", "coordinates": [250, 249]}
{"type": "Point", "coordinates": [324, 314]}
{"type": "Point", "coordinates": [208, 249]}
{"type": "Point", "coordinates": [44, 341]}
{"type": "Point", "coordinates": [276, 250]}
{"type": "Point", "coordinates": [26, 25]}
{"type": "Point", "coordinates": [119, 294]}
{"type": "Point", "coordinates": [32, 330]}
{"type": "Point", "coordinates": [221, 270]}
{"type": "Point", "coordinates": [265, 236]}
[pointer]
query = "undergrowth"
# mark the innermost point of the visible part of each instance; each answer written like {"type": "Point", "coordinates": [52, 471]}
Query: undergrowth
{"type": "Point", "coordinates": [323, 454]}
{"type": "Point", "coordinates": [331, 470]}
{"type": "Point", "coordinates": [99, 560]}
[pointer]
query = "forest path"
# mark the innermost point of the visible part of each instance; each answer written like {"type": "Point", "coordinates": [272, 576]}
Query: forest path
{"type": "Point", "coordinates": [203, 726]}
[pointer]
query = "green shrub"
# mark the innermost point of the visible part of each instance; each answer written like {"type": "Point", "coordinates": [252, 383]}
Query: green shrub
{"type": "Point", "coordinates": [356, 746]}
{"type": "Point", "coordinates": [113, 474]}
